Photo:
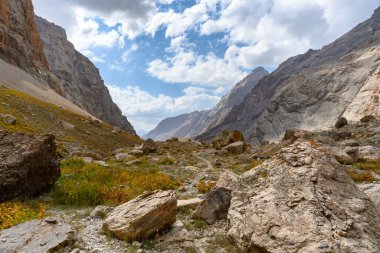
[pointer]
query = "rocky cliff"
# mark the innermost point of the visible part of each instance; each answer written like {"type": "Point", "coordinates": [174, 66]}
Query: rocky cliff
{"type": "Point", "coordinates": [195, 123]}
{"type": "Point", "coordinates": [312, 90]}
{"type": "Point", "coordinates": [20, 43]}
{"type": "Point", "coordinates": [80, 81]}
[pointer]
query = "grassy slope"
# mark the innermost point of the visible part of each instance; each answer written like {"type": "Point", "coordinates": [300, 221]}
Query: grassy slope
{"type": "Point", "coordinates": [35, 116]}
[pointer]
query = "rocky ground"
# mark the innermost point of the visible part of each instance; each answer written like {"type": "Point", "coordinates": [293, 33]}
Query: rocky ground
{"type": "Point", "coordinates": [234, 198]}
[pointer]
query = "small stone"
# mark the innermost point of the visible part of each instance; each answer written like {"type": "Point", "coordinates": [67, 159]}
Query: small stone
{"type": "Point", "coordinates": [341, 122]}
{"type": "Point", "coordinates": [9, 119]}
{"type": "Point", "coordinates": [51, 220]}
{"type": "Point", "coordinates": [87, 159]}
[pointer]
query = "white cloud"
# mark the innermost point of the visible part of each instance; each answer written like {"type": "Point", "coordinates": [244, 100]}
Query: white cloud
{"type": "Point", "coordinates": [186, 66]}
{"type": "Point", "coordinates": [145, 110]}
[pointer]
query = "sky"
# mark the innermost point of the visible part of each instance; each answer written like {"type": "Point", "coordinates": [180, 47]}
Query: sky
{"type": "Point", "coordinates": [163, 58]}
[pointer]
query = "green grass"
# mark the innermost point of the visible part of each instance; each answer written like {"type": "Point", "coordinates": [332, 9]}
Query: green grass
{"type": "Point", "coordinates": [84, 185]}
{"type": "Point", "coordinates": [35, 116]}
{"type": "Point", "coordinates": [360, 177]}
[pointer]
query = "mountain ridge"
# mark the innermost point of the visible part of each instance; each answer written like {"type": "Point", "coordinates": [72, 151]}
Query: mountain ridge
{"type": "Point", "coordinates": [195, 123]}
{"type": "Point", "coordinates": [310, 91]}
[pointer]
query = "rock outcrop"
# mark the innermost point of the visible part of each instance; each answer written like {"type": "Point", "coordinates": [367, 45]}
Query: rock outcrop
{"type": "Point", "coordinates": [311, 91]}
{"type": "Point", "coordinates": [36, 236]}
{"type": "Point", "coordinates": [28, 165]}
{"type": "Point", "coordinates": [214, 206]}
{"type": "Point", "coordinates": [143, 216]}
{"type": "Point", "coordinates": [226, 138]}
{"type": "Point", "coordinates": [80, 81]}
{"type": "Point", "coordinates": [301, 200]}
{"type": "Point", "coordinates": [195, 123]}
{"type": "Point", "coordinates": [20, 43]}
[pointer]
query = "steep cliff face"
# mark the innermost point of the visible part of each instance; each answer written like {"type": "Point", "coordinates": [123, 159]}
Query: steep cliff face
{"type": "Point", "coordinates": [312, 90]}
{"type": "Point", "coordinates": [20, 43]}
{"type": "Point", "coordinates": [195, 123]}
{"type": "Point", "coordinates": [80, 81]}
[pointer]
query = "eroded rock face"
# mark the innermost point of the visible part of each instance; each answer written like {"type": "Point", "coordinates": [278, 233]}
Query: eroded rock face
{"type": "Point", "coordinates": [28, 165]}
{"type": "Point", "coordinates": [36, 236]}
{"type": "Point", "coordinates": [143, 216]}
{"type": "Point", "coordinates": [80, 81]}
{"type": "Point", "coordinates": [20, 43]}
{"type": "Point", "coordinates": [301, 200]}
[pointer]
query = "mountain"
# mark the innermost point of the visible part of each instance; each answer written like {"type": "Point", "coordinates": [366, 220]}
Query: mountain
{"type": "Point", "coordinates": [23, 65]}
{"type": "Point", "coordinates": [310, 91]}
{"type": "Point", "coordinates": [195, 123]}
{"type": "Point", "coordinates": [80, 81]}
{"type": "Point", "coordinates": [51, 70]}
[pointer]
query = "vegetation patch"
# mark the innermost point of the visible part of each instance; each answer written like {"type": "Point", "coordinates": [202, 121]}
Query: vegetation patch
{"type": "Point", "coordinates": [36, 116]}
{"type": "Point", "coordinates": [222, 241]}
{"type": "Point", "coordinates": [369, 165]}
{"type": "Point", "coordinates": [13, 213]}
{"type": "Point", "coordinates": [84, 185]}
{"type": "Point", "coordinates": [359, 176]}
{"type": "Point", "coordinates": [205, 186]}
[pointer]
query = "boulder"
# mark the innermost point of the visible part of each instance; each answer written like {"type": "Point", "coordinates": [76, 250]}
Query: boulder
{"type": "Point", "coordinates": [227, 137]}
{"type": "Point", "coordinates": [136, 152]}
{"type": "Point", "coordinates": [236, 148]}
{"type": "Point", "coordinates": [368, 118]}
{"type": "Point", "coordinates": [353, 152]}
{"type": "Point", "coordinates": [227, 179]}
{"type": "Point", "coordinates": [36, 236]}
{"type": "Point", "coordinates": [189, 202]}
{"type": "Point", "coordinates": [214, 206]}
{"type": "Point", "coordinates": [122, 156]}
{"type": "Point", "coordinates": [29, 165]}
{"type": "Point", "coordinates": [87, 159]}
{"type": "Point", "coordinates": [372, 190]}
{"type": "Point", "coordinates": [143, 216]}
{"type": "Point", "coordinates": [341, 156]}
{"type": "Point", "coordinates": [301, 200]}
{"type": "Point", "coordinates": [341, 122]}
{"type": "Point", "coordinates": [101, 212]}
{"type": "Point", "coordinates": [66, 125]}
{"type": "Point", "coordinates": [149, 146]}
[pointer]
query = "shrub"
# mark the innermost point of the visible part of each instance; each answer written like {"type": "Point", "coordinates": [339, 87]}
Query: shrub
{"type": "Point", "coordinates": [365, 176]}
{"type": "Point", "coordinates": [205, 186]}
{"type": "Point", "coordinates": [369, 165]}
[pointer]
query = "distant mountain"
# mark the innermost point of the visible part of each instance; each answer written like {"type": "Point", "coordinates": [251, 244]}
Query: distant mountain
{"type": "Point", "coordinates": [80, 81]}
{"type": "Point", "coordinates": [51, 69]}
{"type": "Point", "coordinates": [195, 123]}
{"type": "Point", "coordinates": [310, 91]}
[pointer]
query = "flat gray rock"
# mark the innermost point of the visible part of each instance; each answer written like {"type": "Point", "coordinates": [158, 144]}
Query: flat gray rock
{"type": "Point", "coordinates": [36, 236]}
